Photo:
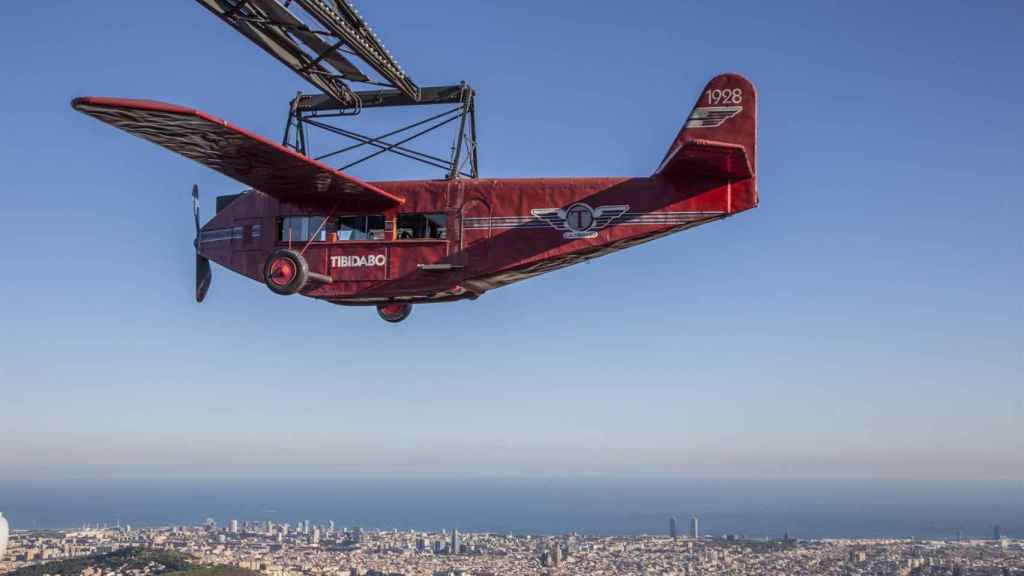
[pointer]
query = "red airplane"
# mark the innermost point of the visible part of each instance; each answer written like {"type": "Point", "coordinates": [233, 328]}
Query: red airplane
{"type": "Point", "coordinates": [308, 228]}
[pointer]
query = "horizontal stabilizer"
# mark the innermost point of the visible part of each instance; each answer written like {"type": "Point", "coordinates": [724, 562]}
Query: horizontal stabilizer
{"type": "Point", "coordinates": [251, 159]}
{"type": "Point", "coordinates": [707, 158]}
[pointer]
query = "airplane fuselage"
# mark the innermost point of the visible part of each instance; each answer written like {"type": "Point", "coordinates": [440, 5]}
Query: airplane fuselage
{"type": "Point", "coordinates": [455, 239]}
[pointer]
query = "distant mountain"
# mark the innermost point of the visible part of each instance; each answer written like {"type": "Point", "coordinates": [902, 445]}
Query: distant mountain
{"type": "Point", "coordinates": [137, 561]}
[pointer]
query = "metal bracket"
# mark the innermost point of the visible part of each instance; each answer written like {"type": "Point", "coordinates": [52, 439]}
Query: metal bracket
{"type": "Point", "coordinates": [314, 110]}
{"type": "Point", "coordinates": [439, 267]}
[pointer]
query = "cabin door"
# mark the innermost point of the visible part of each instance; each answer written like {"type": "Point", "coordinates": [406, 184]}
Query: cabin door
{"type": "Point", "coordinates": [475, 232]}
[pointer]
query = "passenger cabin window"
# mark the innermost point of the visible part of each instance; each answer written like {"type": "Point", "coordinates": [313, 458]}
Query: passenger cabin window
{"type": "Point", "coordinates": [362, 227]}
{"type": "Point", "coordinates": [302, 228]}
{"type": "Point", "coordinates": [432, 225]}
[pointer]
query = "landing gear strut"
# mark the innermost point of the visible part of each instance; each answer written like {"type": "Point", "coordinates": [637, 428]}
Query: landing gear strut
{"type": "Point", "coordinates": [394, 312]}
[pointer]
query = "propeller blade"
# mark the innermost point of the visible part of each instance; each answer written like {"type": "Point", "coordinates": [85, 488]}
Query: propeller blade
{"type": "Point", "coordinates": [203, 274]}
{"type": "Point", "coordinates": [195, 207]}
{"type": "Point", "coordinates": [203, 277]}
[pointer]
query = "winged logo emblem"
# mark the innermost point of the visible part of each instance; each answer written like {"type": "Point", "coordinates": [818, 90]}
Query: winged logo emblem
{"type": "Point", "coordinates": [711, 116]}
{"type": "Point", "coordinates": [580, 220]}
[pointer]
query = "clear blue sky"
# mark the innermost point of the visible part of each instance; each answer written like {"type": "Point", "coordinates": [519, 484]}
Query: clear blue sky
{"type": "Point", "coordinates": [866, 320]}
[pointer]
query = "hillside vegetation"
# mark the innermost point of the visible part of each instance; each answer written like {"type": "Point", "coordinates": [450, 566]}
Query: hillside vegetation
{"type": "Point", "coordinates": [153, 562]}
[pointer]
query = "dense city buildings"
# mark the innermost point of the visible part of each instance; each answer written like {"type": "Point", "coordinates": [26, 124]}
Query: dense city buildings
{"type": "Point", "coordinates": [323, 550]}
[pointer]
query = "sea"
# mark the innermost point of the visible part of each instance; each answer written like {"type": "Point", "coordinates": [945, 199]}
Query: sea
{"type": "Point", "coordinates": [753, 508]}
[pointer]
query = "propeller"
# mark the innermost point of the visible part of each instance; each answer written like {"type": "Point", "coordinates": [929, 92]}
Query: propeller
{"type": "Point", "coordinates": [203, 274]}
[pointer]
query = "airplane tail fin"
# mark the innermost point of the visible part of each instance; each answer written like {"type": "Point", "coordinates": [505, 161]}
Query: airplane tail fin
{"type": "Point", "coordinates": [719, 138]}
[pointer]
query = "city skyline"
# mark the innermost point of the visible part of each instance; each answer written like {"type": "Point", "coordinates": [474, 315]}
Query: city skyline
{"type": "Point", "coordinates": [448, 542]}
{"type": "Point", "coordinates": [287, 551]}
{"type": "Point", "coordinates": [850, 508]}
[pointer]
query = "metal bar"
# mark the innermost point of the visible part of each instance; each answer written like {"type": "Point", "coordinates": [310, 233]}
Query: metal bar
{"type": "Point", "coordinates": [439, 267]}
{"type": "Point", "coordinates": [457, 152]}
{"type": "Point", "coordinates": [291, 115]}
{"type": "Point", "coordinates": [234, 9]}
{"type": "Point", "coordinates": [322, 278]}
{"type": "Point", "coordinates": [323, 54]}
{"type": "Point", "coordinates": [300, 134]}
{"type": "Point", "coordinates": [451, 94]}
{"type": "Point", "coordinates": [379, 152]}
{"type": "Point", "coordinates": [404, 152]}
{"type": "Point", "coordinates": [357, 34]}
{"type": "Point", "coordinates": [474, 168]}
{"type": "Point", "coordinates": [318, 229]}
{"type": "Point", "coordinates": [252, 24]}
{"type": "Point", "coordinates": [284, 25]}
{"type": "Point", "coordinates": [392, 133]}
{"type": "Point", "coordinates": [376, 142]}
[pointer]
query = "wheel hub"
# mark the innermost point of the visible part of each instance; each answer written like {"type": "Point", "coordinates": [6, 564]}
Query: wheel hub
{"type": "Point", "coordinates": [282, 271]}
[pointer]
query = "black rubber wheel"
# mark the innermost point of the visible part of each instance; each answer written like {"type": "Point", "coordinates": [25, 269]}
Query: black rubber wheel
{"type": "Point", "coordinates": [394, 312]}
{"type": "Point", "coordinates": [285, 272]}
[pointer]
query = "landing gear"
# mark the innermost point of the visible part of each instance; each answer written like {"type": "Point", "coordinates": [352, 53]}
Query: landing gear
{"type": "Point", "coordinates": [394, 312]}
{"type": "Point", "coordinates": [286, 272]}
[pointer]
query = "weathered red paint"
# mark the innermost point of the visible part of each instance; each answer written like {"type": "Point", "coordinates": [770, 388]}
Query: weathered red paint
{"type": "Point", "coordinates": [493, 235]}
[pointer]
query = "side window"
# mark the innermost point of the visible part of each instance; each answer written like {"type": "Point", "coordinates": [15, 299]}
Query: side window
{"type": "Point", "coordinates": [431, 225]}
{"type": "Point", "coordinates": [301, 228]}
{"type": "Point", "coordinates": [437, 225]}
{"type": "Point", "coordinates": [352, 228]}
{"type": "Point", "coordinates": [376, 226]}
{"type": "Point", "coordinates": [361, 227]}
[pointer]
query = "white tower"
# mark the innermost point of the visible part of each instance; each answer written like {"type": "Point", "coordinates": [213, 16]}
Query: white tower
{"type": "Point", "coordinates": [3, 536]}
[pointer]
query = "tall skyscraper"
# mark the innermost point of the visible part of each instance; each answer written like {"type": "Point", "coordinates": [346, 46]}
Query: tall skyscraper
{"type": "Point", "coordinates": [997, 532]}
{"type": "Point", "coordinates": [4, 529]}
{"type": "Point", "coordinates": [545, 558]}
{"type": "Point", "coordinates": [456, 542]}
{"type": "Point", "coordinates": [233, 527]}
{"type": "Point", "coordinates": [694, 527]}
{"type": "Point", "coordinates": [672, 528]}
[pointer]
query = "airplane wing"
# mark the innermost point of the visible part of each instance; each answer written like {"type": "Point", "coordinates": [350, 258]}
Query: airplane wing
{"type": "Point", "coordinates": [267, 166]}
{"type": "Point", "coordinates": [708, 158]}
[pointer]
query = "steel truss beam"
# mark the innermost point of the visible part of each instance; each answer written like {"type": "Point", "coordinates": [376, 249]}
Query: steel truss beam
{"type": "Point", "coordinates": [314, 38]}
{"type": "Point", "coordinates": [312, 110]}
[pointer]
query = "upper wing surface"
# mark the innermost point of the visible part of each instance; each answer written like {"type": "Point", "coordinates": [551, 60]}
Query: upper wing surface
{"type": "Point", "coordinates": [267, 166]}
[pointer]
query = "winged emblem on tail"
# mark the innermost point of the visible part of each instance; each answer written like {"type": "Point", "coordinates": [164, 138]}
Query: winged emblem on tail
{"type": "Point", "coordinates": [711, 116]}
{"type": "Point", "coordinates": [580, 220]}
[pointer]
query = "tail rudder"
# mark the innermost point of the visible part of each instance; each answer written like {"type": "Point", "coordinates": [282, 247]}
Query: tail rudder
{"type": "Point", "coordinates": [719, 137]}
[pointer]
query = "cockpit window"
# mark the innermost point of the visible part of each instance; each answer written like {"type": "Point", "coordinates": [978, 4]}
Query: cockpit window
{"type": "Point", "coordinates": [361, 227]}
{"type": "Point", "coordinates": [430, 225]}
